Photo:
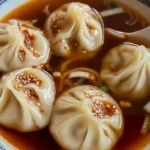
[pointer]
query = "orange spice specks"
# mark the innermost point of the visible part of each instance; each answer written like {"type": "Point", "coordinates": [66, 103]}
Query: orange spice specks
{"type": "Point", "coordinates": [103, 109]}
{"type": "Point", "coordinates": [28, 40]}
{"type": "Point", "coordinates": [21, 54]}
{"type": "Point", "coordinates": [24, 79]}
{"type": "Point", "coordinates": [21, 80]}
{"type": "Point", "coordinates": [41, 110]}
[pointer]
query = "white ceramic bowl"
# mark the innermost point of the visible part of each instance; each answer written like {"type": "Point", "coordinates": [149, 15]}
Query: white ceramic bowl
{"type": "Point", "coordinates": [7, 6]}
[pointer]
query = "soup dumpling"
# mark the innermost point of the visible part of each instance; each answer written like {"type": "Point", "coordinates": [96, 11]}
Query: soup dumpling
{"type": "Point", "coordinates": [126, 71]}
{"type": "Point", "coordinates": [86, 118]}
{"type": "Point", "coordinates": [75, 31]}
{"type": "Point", "coordinates": [22, 45]}
{"type": "Point", "coordinates": [26, 99]}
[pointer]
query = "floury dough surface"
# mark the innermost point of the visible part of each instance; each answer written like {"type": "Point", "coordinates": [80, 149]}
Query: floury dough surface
{"type": "Point", "coordinates": [26, 99]}
{"type": "Point", "coordinates": [75, 30]}
{"type": "Point", "coordinates": [126, 70]}
{"type": "Point", "coordinates": [22, 45]}
{"type": "Point", "coordinates": [85, 118]}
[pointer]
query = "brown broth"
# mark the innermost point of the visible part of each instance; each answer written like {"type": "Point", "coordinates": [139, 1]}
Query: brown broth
{"type": "Point", "coordinates": [42, 139]}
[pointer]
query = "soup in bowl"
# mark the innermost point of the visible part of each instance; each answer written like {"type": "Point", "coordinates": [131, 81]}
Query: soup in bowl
{"type": "Point", "coordinates": [71, 77]}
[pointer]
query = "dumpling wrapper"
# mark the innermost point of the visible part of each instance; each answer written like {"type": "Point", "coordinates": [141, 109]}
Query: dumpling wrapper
{"type": "Point", "coordinates": [126, 71]}
{"type": "Point", "coordinates": [22, 45]}
{"type": "Point", "coordinates": [75, 30]}
{"type": "Point", "coordinates": [85, 118]}
{"type": "Point", "coordinates": [26, 99]}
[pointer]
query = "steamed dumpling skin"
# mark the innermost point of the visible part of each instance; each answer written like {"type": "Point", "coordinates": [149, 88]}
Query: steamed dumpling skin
{"type": "Point", "coordinates": [22, 45]}
{"type": "Point", "coordinates": [85, 118]}
{"type": "Point", "coordinates": [75, 31]}
{"type": "Point", "coordinates": [26, 99]}
{"type": "Point", "coordinates": [126, 71]}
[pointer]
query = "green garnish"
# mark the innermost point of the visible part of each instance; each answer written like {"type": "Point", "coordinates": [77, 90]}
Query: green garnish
{"type": "Point", "coordinates": [104, 88]}
{"type": "Point", "coordinates": [34, 21]}
{"type": "Point", "coordinates": [110, 5]}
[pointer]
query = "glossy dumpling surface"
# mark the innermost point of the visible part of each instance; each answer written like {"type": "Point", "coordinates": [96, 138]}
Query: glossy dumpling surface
{"type": "Point", "coordinates": [75, 30]}
{"type": "Point", "coordinates": [126, 71]}
{"type": "Point", "coordinates": [85, 118]}
{"type": "Point", "coordinates": [22, 45]}
{"type": "Point", "coordinates": [26, 99]}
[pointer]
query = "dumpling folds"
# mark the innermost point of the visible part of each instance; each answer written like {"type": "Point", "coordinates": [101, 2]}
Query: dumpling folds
{"type": "Point", "coordinates": [26, 99]}
{"type": "Point", "coordinates": [22, 45]}
{"type": "Point", "coordinates": [75, 30]}
{"type": "Point", "coordinates": [85, 118]}
{"type": "Point", "coordinates": [126, 71]}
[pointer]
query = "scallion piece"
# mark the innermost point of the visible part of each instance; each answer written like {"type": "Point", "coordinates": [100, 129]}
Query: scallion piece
{"type": "Point", "coordinates": [104, 88]}
{"type": "Point", "coordinates": [34, 21]}
{"type": "Point", "coordinates": [110, 5]}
